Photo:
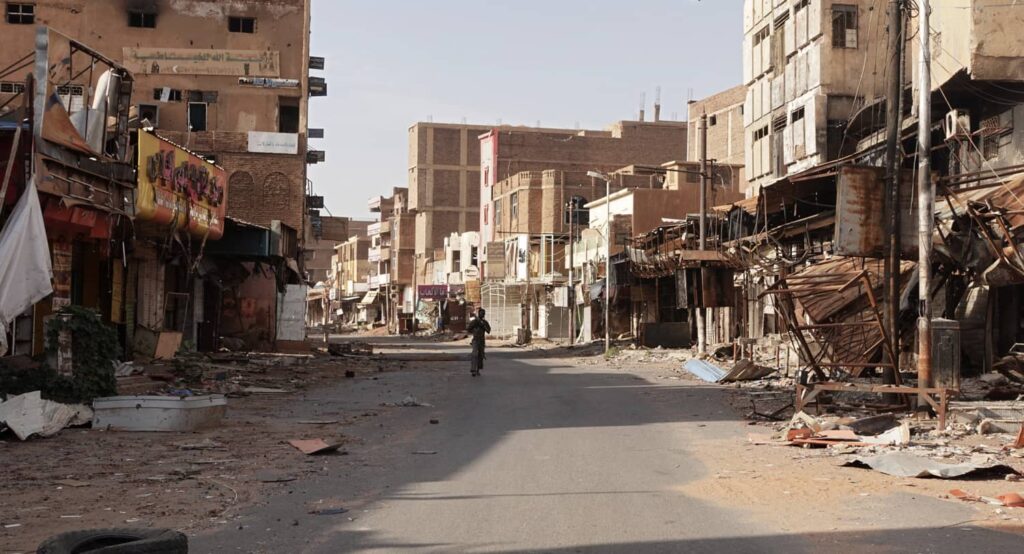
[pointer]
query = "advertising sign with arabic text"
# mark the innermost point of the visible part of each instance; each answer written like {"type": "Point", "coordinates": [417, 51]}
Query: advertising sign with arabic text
{"type": "Point", "coordinates": [177, 187]}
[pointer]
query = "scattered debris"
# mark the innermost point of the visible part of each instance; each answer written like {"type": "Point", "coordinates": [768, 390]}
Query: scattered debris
{"type": "Point", "coordinates": [28, 414]}
{"type": "Point", "coordinates": [704, 370]}
{"type": "Point", "coordinates": [1019, 443]}
{"type": "Point", "coordinates": [158, 413]}
{"type": "Point", "coordinates": [205, 444]}
{"type": "Point", "coordinates": [1009, 500]}
{"type": "Point", "coordinates": [425, 452]}
{"type": "Point", "coordinates": [263, 390]}
{"type": "Point", "coordinates": [329, 511]}
{"type": "Point", "coordinates": [314, 446]}
{"type": "Point", "coordinates": [435, 421]}
{"type": "Point", "coordinates": [746, 370]}
{"type": "Point", "coordinates": [350, 349]}
{"type": "Point", "coordinates": [349, 374]}
{"type": "Point", "coordinates": [318, 421]}
{"type": "Point", "coordinates": [407, 402]}
{"type": "Point", "coordinates": [904, 464]}
{"type": "Point", "coordinates": [73, 483]}
{"type": "Point", "coordinates": [873, 425]}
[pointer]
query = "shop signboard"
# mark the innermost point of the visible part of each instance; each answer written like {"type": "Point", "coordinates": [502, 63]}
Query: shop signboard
{"type": "Point", "coordinates": [177, 187]}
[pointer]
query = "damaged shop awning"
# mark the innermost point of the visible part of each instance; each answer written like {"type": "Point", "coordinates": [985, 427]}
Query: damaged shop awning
{"type": "Point", "coordinates": [370, 298]}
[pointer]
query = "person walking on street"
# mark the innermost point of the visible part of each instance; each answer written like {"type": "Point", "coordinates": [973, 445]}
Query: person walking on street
{"type": "Point", "coordinates": [479, 329]}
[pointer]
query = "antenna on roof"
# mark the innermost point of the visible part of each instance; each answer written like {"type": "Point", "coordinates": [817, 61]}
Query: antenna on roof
{"type": "Point", "coordinates": [463, 120]}
{"type": "Point", "coordinates": [657, 103]}
{"type": "Point", "coordinates": [430, 118]}
{"type": "Point", "coordinates": [643, 104]}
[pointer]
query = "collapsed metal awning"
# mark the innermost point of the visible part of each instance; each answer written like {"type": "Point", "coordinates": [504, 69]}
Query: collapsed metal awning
{"type": "Point", "coordinates": [370, 298]}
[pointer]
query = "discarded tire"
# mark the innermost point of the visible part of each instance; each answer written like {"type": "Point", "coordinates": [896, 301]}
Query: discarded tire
{"type": "Point", "coordinates": [117, 541]}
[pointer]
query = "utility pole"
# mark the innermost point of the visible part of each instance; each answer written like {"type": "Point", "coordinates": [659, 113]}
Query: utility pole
{"type": "Point", "coordinates": [702, 337]}
{"type": "Point", "coordinates": [571, 293]}
{"type": "Point", "coordinates": [925, 201]}
{"type": "Point", "coordinates": [891, 208]}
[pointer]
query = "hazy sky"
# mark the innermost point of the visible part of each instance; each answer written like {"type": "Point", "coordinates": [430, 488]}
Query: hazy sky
{"type": "Point", "coordinates": [391, 63]}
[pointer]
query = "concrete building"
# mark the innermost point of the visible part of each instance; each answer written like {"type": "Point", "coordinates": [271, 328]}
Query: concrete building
{"type": "Point", "coordinates": [507, 151]}
{"type": "Point", "coordinates": [393, 250]}
{"type": "Point", "coordinates": [226, 83]}
{"type": "Point", "coordinates": [321, 242]}
{"type": "Point", "coordinates": [444, 177]}
{"type": "Point", "coordinates": [353, 271]}
{"type": "Point", "coordinates": [725, 128]}
{"type": "Point", "coordinates": [227, 80]}
{"type": "Point", "coordinates": [809, 66]}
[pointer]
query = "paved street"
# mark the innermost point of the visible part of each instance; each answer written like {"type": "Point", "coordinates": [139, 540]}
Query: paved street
{"type": "Point", "coordinates": [546, 454]}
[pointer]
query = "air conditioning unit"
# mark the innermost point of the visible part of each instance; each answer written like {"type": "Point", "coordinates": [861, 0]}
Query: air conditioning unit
{"type": "Point", "coordinates": [394, 289]}
{"type": "Point", "coordinates": [957, 124]}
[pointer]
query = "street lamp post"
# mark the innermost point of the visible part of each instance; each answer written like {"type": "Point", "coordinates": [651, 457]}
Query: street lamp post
{"type": "Point", "coordinates": [607, 255]}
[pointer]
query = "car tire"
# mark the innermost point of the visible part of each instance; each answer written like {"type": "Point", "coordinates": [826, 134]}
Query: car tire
{"type": "Point", "coordinates": [116, 541]}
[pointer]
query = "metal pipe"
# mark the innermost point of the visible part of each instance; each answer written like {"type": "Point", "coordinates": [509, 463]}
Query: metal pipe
{"type": "Point", "coordinates": [925, 201]}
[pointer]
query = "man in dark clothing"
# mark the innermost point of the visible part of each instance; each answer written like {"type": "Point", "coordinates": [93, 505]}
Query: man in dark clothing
{"type": "Point", "coordinates": [479, 328]}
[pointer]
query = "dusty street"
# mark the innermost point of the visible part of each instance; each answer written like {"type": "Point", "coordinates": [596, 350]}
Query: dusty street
{"type": "Point", "coordinates": [567, 454]}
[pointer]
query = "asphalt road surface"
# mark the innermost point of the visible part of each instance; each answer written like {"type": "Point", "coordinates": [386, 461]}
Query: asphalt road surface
{"type": "Point", "coordinates": [541, 455]}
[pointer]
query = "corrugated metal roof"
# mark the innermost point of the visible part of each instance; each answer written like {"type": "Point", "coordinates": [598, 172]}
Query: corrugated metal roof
{"type": "Point", "coordinates": [705, 370]}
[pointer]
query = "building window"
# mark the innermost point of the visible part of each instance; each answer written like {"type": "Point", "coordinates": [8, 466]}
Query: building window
{"type": "Point", "coordinates": [12, 88]}
{"type": "Point", "coordinates": [497, 213]}
{"type": "Point", "coordinates": [287, 114]}
{"type": "Point", "coordinates": [150, 112]}
{"type": "Point", "coordinates": [801, 5]}
{"type": "Point", "coordinates": [456, 261]}
{"type": "Point", "coordinates": [762, 35]}
{"type": "Point", "coordinates": [513, 206]}
{"type": "Point", "coordinates": [474, 256]}
{"type": "Point", "coordinates": [242, 24]}
{"type": "Point", "coordinates": [167, 94]}
{"type": "Point", "coordinates": [797, 115]}
{"type": "Point", "coordinates": [196, 116]}
{"type": "Point", "coordinates": [712, 120]}
{"type": "Point", "coordinates": [844, 26]}
{"type": "Point", "coordinates": [142, 19]}
{"type": "Point", "coordinates": [21, 14]}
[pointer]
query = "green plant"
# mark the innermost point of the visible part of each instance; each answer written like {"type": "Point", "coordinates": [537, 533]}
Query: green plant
{"type": "Point", "coordinates": [612, 352]}
{"type": "Point", "coordinates": [94, 349]}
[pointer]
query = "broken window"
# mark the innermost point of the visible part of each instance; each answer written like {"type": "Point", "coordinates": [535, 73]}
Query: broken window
{"type": "Point", "coordinates": [242, 24]}
{"type": "Point", "coordinates": [844, 26]}
{"type": "Point", "coordinates": [287, 114]}
{"type": "Point", "coordinates": [151, 113]}
{"type": "Point", "coordinates": [167, 94]}
{"type": "Point", "coordinates": [513, 206]}
{"type": "Point", "coordinates": [21, 14]}
{"type": "Point", "coordinates": [142, 19]}
{"type": "Point", "coordinates": [8, 87]}
{"type": "Point", "coordinates": [196, 116]}
{"type": "Point", "coordinates": [474, 256]}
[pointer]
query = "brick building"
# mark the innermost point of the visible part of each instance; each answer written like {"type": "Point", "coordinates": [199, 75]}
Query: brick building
{"type": "Point", "coordinates": [227, 82]}
{"type": "Point", "coordinates": [444, 177]}
{"type": "Point", "coordinates": [725, 128]}
{"type": "Point", "coordinates": [319, 250]}
{"type": "Point", "coordinates": [506, 151]}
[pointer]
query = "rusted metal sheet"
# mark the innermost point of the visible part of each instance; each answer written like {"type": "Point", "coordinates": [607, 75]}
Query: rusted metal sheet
{"type": "Point", "coordinates": [860, 203]}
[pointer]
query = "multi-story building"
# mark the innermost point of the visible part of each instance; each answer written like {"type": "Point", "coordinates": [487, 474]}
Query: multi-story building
{"type": "Point", "coordinates": [444, 177]}
{"type": "Point", "coordinates": [321, 242]}
{"type": "Point", "coordinates": [226, 83]}
{"type": "Point", "coordinates": [506, 151]}
{"type": "Point", "coordinates": [809, 66]}
{"type": "Point", "coordinates": [352, 274]}
{"type": "Point", "coordinates": [724, 111]}
{"type": "Point", "coordinates": [393, 251]}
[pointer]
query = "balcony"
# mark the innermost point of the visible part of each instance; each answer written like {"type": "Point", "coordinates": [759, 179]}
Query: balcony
{"type": "Point", "coordinates": [385, 253]}
{"type": "Point", "coordinates": [374, 254]}
{"type": "Point", "coordinates": [383, 279]}
{"type": "Point", "coordinates": [373, 229]}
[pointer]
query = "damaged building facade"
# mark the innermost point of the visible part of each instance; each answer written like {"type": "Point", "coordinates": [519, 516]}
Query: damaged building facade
{"type": "Point", "coordinates": [196, 263]}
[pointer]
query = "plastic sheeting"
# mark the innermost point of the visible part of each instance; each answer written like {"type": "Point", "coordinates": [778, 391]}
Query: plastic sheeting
{"type": "Point", "coordinates": [25, 269]}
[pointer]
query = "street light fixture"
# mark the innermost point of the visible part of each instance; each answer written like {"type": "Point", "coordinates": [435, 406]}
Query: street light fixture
{"type": "Point", "coordinates": [607, 254]}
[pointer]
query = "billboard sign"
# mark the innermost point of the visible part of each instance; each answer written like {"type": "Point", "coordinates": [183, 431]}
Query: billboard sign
{"type": "Point", "coordinates": [177, 187]}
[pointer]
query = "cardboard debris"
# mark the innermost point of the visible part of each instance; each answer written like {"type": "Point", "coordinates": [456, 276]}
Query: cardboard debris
{"type": "Point", "coordinates": [314, 446]}
{"type": "Point", "coordinates": [904, 464]}
{"type": "Point", "coordinates": [28, 414]}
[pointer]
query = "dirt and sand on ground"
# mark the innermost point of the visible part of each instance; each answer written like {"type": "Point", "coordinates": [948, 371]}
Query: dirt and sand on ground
{"type": "Point", "coordinates": [90, 478]}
